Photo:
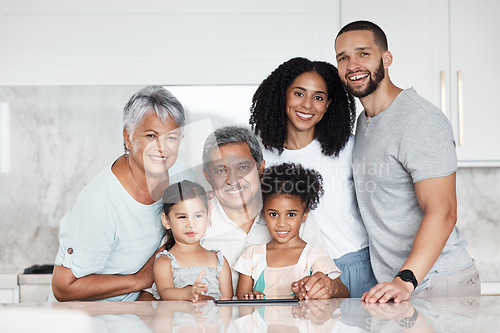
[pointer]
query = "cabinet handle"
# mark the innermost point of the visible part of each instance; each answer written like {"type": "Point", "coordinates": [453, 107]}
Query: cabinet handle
{"type": "Point", "coordinates": [460, 91]}
{"type": "Point", "coordinates": [443, 92]}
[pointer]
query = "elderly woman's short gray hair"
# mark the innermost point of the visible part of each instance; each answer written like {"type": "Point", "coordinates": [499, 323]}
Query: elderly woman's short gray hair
{"type": "Point", "coordinates": [227, 135]}
{"type": "Point", "coordinates": [152, 98]}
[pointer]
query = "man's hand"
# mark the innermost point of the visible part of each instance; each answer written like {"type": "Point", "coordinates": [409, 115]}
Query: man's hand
{"type": "Point", "coordinates": [398, 290]}
{"type": "Point", "coordinates": [319, 285]}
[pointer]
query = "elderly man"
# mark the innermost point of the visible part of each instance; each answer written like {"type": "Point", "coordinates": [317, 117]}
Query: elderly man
{"type": "Point", "coordinates": [232, 164]}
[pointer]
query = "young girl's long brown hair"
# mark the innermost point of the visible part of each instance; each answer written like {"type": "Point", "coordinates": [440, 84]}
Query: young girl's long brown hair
{"type": "Point", "coordinates": [177, 193]}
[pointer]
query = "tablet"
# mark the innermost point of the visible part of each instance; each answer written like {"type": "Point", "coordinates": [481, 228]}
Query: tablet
{"type": "Point", "coordinates": [235, 301]}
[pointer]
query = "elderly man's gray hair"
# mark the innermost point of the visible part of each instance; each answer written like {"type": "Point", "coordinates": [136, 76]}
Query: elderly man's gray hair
{"type": "Point", "coordinates": [227, 135]}
{"type": "Point", "coordinates": [152, 98]}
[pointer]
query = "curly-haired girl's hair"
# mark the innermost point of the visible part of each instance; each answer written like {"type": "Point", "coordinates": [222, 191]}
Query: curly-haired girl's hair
{"type": "Point", "coordinates": [268, 118]}
{"type": "Point", "coordinates": [294, 180]}
{"type": "Point", "coordinates": [177, 193]}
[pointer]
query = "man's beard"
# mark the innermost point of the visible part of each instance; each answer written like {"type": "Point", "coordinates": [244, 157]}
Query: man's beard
{"type": "Point", "coordinates": [373, 83]}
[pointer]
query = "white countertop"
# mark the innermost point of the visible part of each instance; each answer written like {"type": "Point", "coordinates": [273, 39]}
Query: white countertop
{"type": "Point", "coordinates": [337, 315]}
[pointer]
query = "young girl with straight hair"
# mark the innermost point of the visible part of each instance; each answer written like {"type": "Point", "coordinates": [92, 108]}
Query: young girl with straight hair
{"type": "Point", "coordinates": [185, 270]}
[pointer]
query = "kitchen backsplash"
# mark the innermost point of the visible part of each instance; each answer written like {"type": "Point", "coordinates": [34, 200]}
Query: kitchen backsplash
{"type": "Point", "coordinates": [61, 137]}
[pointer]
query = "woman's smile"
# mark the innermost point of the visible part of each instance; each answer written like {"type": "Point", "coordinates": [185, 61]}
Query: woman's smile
{"type": "Point", "coordinates": [158, 158]}
{"type": "Point", "coordinates": [304, 116]}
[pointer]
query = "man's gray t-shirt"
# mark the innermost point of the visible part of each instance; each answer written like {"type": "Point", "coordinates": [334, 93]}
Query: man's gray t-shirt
{"type": "Point", "coordinates": [408, 142]}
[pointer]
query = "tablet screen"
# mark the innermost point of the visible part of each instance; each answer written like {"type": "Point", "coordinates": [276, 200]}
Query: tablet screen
{"type": "Point", "coordinates": [277, 300]}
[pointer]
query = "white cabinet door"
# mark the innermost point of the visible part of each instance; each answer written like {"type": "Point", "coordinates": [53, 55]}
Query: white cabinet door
{"type": "Point", "coordinates": [474, 52]}
{"type": "Point", "coordinates": [431, 41]}
{"type": "Point", "coordinates": [168, 42]}
{"type": "Point", "coordinates": [9, 289]}
{"type": "Point", "coordinates": [9, 296]}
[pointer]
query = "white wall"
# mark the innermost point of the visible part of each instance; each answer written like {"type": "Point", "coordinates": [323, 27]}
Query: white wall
{"type": "Point", "coordinates": [170, 42]}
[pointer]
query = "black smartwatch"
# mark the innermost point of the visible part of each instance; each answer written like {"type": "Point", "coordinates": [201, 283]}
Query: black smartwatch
{"type": "Point", "coordinates": [408, 276]}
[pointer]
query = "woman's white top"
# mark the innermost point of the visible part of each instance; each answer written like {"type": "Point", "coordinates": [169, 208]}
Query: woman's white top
{"type": "Point", "coordinates": [337, 214]}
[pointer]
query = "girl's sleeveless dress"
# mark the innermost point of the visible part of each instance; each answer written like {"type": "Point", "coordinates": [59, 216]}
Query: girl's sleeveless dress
{"type": "Point", "coordinates": [184, 276]}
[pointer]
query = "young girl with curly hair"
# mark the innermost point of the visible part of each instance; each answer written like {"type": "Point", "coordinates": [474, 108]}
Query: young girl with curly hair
{"type": "Point", "coordinates": [289, 192]}
{"type": "Point", "coordinates": [303, 114]}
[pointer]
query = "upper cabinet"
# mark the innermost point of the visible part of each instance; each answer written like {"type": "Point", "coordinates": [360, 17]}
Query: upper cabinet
{"type": "Point", "coordinates": [474, 29]}
{"type": "Point", "coordinates": [169, 42]}
{"type": "Point", "coordinates": [442, 48]}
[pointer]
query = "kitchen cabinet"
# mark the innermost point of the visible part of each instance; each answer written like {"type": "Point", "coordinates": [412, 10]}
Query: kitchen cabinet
{"type": "Point", "coordinates": [194, 42]}
{"type": "Point", "coordinates": [34, 288]}
{"type": "Point", "coordinates": [443, 48]}
{"type": "Point", "coordinates": [9, 289]}
{"type": "Point", "coordinates": [24, 288]}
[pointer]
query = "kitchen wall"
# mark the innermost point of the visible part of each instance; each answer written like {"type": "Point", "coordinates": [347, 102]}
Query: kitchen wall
{"type": "Point", "coordinates": [478, 195]}
{"type": "Point", "coordinates": [61, 137]}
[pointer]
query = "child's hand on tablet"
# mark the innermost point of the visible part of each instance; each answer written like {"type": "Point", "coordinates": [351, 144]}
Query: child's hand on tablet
{"type": "Point", "coordinates": [254, 295]}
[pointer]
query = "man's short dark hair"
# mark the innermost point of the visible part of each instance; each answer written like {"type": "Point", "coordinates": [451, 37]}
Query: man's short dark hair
{"type": "Point", "coordinates": [378, 34]}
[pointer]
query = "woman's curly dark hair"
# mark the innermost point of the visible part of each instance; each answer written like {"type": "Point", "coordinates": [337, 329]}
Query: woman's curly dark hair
{"type": "Point", "coordinates": [294, 180]}
{"type": "Point", "coordinates": [268, 118]}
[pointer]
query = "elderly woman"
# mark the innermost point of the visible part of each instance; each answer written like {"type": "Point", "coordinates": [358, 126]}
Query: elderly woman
{"type": "Point", "coordinates": [107, 240]}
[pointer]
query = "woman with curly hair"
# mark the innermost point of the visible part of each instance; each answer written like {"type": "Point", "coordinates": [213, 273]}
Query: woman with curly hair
{"type": "Point", "coordinates": [303, 114]}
